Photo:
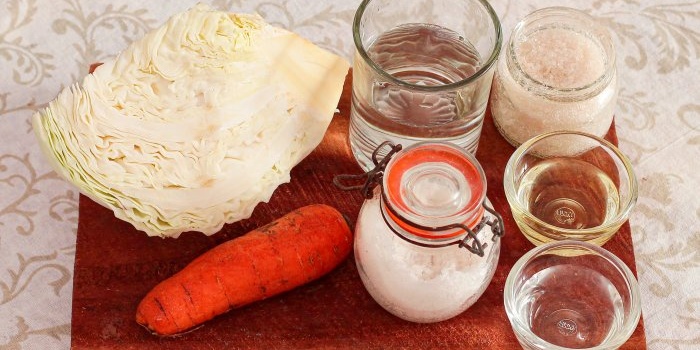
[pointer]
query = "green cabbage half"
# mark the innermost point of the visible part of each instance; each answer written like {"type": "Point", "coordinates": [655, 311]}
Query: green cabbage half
{"type": "Point", "coordinates": [195, 124]}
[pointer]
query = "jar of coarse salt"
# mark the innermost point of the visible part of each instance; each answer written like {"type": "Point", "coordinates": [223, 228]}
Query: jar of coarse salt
{"type": "Point", "coordinates": [426, 240]}
{"type": "Point", "coordinates": [556, 73]}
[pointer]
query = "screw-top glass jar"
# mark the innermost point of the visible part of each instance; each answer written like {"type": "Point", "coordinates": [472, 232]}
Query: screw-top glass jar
{"type": "Point", "coordinates": [557, 73]}
{"type": "Point", "coordinates": [409, 236]}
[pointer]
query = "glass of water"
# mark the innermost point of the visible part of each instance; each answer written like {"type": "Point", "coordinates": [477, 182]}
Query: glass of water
{"type": "Point", "coordinates": [422, 71]}
{"type": "Point", "coordinates": [571, 295]}
{"type": "Point", "coordinates": [569, 185]}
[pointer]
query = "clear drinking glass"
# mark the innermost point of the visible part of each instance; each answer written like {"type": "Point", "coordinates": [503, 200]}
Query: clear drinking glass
{"type": "Point", "coordinates": [569, 185]}
{"type": "Point", "coordinates": [422, 71]}
{"type": "Point", "coordinates": [571, 295]}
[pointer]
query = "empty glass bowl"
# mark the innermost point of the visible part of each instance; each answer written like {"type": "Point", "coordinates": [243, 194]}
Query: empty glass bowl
{"type": "Point", "coordinates": [571, 295]}
{"type": "Point", "coordinates": [569, 185]}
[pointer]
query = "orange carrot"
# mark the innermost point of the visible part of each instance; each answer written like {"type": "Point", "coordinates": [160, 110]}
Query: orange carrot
{"type": "Point", "coordinates": [290, 251]}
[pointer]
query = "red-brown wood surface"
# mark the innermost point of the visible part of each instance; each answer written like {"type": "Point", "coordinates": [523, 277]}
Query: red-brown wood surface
{"type": "Point", "coordinates": [116, 265]}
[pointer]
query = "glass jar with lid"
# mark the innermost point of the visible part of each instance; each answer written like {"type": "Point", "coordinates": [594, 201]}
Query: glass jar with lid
{"type": "Point", "coordinates": [411, 235]}
{"type": "Point", "coordinates": [557, 72]}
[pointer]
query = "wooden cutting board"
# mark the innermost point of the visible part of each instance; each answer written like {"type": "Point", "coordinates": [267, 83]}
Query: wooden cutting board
{"type": "Point", "coordinates": [116, 265]}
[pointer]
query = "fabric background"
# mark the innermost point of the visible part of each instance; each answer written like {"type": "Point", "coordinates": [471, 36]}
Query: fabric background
{"type": "Point", "coordinates": [48, 45]}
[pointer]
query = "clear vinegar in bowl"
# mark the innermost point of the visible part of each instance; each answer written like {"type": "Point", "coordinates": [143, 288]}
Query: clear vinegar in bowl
{"type": "Point", "coordinates": [571, 295]}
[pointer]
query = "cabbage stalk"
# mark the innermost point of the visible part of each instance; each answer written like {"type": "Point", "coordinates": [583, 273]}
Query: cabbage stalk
{"type": "Point", "coordinates": [192, 126]}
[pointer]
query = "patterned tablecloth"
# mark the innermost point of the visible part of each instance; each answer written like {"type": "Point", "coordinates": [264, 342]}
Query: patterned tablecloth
{"type": "Point", "coordinates": [48, 45]}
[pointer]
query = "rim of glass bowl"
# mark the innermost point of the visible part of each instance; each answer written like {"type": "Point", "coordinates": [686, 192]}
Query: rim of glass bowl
{"type": "Point", "coordinates": [628, 326]}
{"type": "Point", "coordinates": [495, 51]}
{"type": "Point", "coordinates": [576, 234]}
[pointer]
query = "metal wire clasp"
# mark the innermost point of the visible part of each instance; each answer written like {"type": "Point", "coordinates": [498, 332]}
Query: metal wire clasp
{"type": "Point", "coordinates": [497, 229]}
{"type": "Point", "coordinates": [372, 177]}
{"type": "Point", "coordinates": [475, 247]}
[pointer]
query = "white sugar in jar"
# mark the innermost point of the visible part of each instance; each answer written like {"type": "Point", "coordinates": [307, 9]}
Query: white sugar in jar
{"type": "Point", "coordinates": [427, 243]}
{"type": "Point", "coordinates": [556, 73]}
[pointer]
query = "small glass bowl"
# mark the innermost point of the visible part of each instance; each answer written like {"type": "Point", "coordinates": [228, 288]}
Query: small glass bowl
{"type": "Point", "coordinates": [569, 185]}
{"type": "Point", "coordinates": [571, 295]}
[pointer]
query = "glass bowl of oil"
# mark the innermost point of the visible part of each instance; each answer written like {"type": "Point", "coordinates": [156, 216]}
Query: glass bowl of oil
{"type": "Point", "coordinates": [569, 185]}
{"type": "Point", "coordinates": [571, 295]}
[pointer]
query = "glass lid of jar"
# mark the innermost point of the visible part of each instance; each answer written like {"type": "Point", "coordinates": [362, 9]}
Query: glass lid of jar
{"type": "Point", "coordinates": [433, 185]}
{"type": "Point", "coordinates": [433, 194]}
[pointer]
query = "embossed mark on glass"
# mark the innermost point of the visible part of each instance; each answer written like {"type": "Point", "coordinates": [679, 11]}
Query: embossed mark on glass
{"type": "Point", "coordinates": [569, 185]}
{"type": "Point", "coordinates": [571, 295]}
{"type": "Point", "coordinates": [422, 71]}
